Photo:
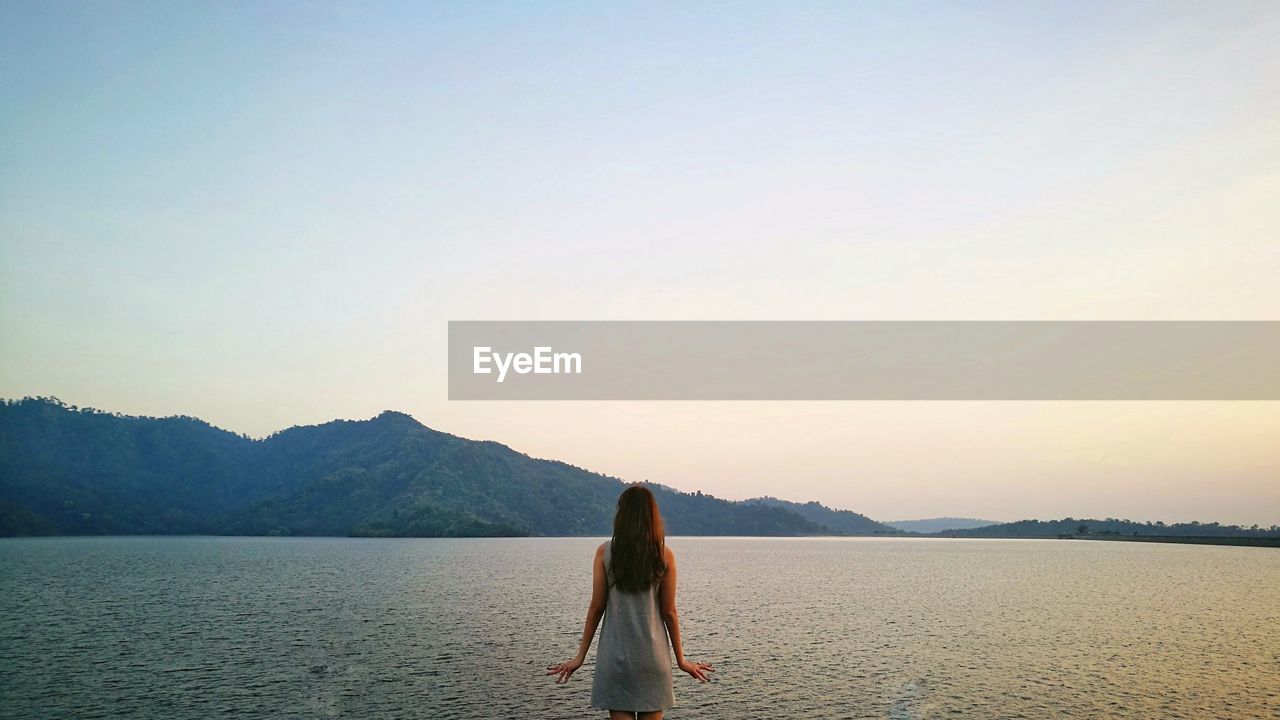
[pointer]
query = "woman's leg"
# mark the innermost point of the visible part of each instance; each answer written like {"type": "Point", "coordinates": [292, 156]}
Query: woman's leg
{"type": "Point", "coordinates": [655, 715]}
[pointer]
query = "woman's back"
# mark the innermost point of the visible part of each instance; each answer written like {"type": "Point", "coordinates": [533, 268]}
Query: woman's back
{"type": "Point", "coordinates": [633, 661]}
{"type": "Point", "coordinates": [633, 658]}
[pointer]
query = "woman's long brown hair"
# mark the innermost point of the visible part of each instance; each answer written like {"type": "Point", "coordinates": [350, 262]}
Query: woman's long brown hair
{"type": "Point", "coordinates": [637, 553]}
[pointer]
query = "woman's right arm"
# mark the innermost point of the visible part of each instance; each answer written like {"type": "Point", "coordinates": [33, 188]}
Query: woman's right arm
{"type": "Point", "coordinates": [595, 611]}
{"type": "Point", "coordinates": [671, 619]}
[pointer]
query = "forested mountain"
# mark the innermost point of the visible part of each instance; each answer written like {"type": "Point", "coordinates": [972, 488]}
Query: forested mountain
{"type": "Point", "coordinates": [65, 470]}
{"type": "Point", "coordinates": [70, 471]}
{"type": "Point", "coordinates": [79, 472]}
{"type": "Point", "coordinates": [842, 521]}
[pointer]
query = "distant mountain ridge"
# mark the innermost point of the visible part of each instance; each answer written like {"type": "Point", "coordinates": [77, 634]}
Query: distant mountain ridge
{"type": "Point", "coordinates": [842, 521]}
{"type": "Point", "coordinates": [933, 525]}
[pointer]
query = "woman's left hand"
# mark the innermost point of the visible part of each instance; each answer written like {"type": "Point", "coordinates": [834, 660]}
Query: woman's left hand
{"type": "Point", "coordinates": [565, 670]}
{"type": "Point", "coordinates": [698, 671]}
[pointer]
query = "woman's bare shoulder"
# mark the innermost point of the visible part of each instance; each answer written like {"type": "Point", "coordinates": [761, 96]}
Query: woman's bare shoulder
{"type": "Point", "coordinates": [668, 554]}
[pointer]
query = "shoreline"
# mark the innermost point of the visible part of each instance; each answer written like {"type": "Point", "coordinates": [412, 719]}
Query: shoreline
{"type": "Point", "coordinates": [1269, 542]}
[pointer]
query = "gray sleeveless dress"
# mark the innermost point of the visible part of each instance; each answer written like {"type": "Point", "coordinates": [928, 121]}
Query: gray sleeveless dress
{"type": "Point", "coordinates": [633, 657]}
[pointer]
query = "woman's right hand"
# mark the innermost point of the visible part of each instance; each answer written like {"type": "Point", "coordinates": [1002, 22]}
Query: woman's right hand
{"type": "Point", "coordinates": [564, 670]}
{"type": "Point", "coordinates": [698, 671]}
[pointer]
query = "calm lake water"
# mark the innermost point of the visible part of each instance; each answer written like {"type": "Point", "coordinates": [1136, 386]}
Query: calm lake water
{"type": "Point", "coordinates": [811, 628]}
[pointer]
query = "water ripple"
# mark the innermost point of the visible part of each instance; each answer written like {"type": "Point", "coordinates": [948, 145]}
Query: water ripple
{"type": "Point", "coordinates": [802, 628]}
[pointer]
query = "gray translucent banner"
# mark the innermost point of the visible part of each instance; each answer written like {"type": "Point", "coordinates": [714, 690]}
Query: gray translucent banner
{"type": "Point", "coordinates": [890, 360]}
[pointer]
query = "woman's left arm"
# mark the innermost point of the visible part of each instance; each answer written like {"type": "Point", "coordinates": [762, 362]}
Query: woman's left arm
{"type": "Point", "coordinates": [667, 606]}
{"type": "Point", "coordinates": [595, 611]}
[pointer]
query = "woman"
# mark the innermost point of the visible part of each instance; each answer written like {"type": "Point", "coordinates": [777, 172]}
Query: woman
{"type": "Point", "coordinates": [634, 590]}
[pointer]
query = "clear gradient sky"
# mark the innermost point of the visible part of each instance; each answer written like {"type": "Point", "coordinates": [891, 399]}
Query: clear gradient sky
{"type": "Point", "coordinates": [264, 214]}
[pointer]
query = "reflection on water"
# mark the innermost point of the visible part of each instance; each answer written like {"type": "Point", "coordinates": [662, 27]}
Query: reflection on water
{"type": "Point", "coordinates": [817, 628]}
